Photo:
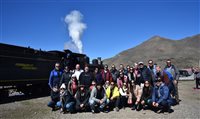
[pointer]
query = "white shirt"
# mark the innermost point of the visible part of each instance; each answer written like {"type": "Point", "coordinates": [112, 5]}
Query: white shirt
{"type": "Point", "coordinates": [77, 73]}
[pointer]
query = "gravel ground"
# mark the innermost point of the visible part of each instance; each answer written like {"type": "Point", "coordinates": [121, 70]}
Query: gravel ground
{"type": "Point", "coordinates": [189, 108]}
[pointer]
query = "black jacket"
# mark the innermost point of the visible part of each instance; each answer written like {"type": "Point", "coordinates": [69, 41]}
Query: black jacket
{"type": "Point", "coordinates": [86, 79]}
{"type": "Point", "coordinates": [66, 77]}
{"type": "Point", "coordinates": [145, 74]}
{"type": "Point", "coordinates": [147, 93]}
{"type": "Point", "coordinates": [82, 99]}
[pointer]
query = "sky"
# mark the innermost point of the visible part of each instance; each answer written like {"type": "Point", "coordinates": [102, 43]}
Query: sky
{"type": "Point", "coordinates": [111, 25]}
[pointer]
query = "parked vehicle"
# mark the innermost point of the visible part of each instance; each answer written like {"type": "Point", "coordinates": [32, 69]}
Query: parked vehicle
{"type": "Point", "coordinates": [186, 74]}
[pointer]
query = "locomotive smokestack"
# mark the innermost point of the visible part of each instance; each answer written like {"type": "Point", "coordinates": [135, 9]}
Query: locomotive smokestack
{"type": "Point", "coordinates": [76, 28]}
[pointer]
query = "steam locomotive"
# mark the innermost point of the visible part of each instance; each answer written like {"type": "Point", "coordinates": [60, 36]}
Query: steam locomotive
{"type": "Point", "coordinates": [27, 69]}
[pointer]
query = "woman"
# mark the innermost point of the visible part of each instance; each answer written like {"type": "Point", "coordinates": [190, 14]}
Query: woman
{"type": "Point", "coordinates": [146, 95]}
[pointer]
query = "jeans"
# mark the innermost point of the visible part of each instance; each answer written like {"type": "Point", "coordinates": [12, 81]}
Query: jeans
{"type": "Point", "coordinates": [68, 106]}
{"type": "Point", "coordinates": [94, 105]}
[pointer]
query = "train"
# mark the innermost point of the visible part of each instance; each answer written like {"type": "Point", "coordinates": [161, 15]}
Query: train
{"type": "Point", "coordinates": [27, 70]}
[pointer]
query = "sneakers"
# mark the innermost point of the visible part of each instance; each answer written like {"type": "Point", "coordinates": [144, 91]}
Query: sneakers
{"type": "Point", "coordinates": [117, 109]}
{"type": "Point", "coordinates": [93, 112]}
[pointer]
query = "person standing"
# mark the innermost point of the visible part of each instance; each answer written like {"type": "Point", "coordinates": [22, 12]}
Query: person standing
{"type": "Point", "coordinates": [86, 78]}
{"type": "Point", "coordinates": [54, 84]}
{"type": "Point", "coordinates": [174, 72]}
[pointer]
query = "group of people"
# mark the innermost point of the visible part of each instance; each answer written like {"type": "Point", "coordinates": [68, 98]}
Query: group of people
{"type": "Point", "coordinates": [139, 87]}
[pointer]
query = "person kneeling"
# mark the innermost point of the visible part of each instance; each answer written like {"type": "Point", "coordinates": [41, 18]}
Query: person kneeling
{"type": "Point", "coordinates": [97, 99]}
{"type": "Point", "coordinates": [113, 99]}
{"type": "Point", "coordinates": [161, 97]}
{"type": "Point", "coordinates": [82, 98]}
{"type": "Point", "coordinates": [67, 101]}
{"type": "Point", "coordinates": [146, 100]}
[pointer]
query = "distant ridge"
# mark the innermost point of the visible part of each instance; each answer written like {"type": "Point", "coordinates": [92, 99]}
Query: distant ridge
{"type": "Point", "coordinates": [184, 53]}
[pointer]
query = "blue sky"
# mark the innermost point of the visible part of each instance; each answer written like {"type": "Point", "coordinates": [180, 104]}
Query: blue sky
{"type": "Point", "coordinates": [112, 26]}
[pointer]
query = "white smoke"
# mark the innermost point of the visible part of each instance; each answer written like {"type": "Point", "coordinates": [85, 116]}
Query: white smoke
{"type": "Point", "coordinates": [76, 28]}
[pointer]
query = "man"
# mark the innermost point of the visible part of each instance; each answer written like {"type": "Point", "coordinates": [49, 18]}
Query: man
{"type": "Point", "coordinates": [66, 76]}
{"type": "Point", "coordinates": [113, 99]}
{"type": "Point", "coordinates": [174, 72]}
{"type": "Point", "coordinates": [86, 78]}
{"type": "Point", "coordinates": [106, 75]}
{"type": "Point", "coordinates": [122, 69]}
{"type": "Point", "coordinates": [97, 98]}
{"type": "Point", "coordinates": [197, 77]}
{"type": "Point", "coordinates": [114, 73]}
{"type": "Point", "coordinates": [145, 73]}
{"type": "Point", "coordinates": [152, 69]}
{"type": "Point", "coordinates": [78, 71]}
{"type": "Point", "coordinates": [54, 84]}
{"type": "Point", "coordinates": [82, 99]}
{"type": "Point", "coordinates": [161, 98]}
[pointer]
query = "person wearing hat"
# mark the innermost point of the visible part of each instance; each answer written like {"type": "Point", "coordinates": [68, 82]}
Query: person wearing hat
{"type": "Point", "coordinates": [175, 73]}
{"type": "Point", "coordinates": [97, 98]}
{"type": "Point", "coordinates": [161, 99]}
{"type": "Point", "coordinates": [67, 100]}
{"type": "Point", "coordinates": [145, 73]}
{"type": "Point", "coordinates": [82, 99]}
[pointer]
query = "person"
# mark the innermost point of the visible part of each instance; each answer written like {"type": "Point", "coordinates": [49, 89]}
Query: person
{"type": "Point", "coordinates": [114, 73]}
{"type": "Point", "coordinates": [54, 84]}
{"type": "Point", "coordinates": [167, 79]}
{"type": "Point", "coordinates": [130, 74]}
{"type": "Point", "coordinates": [152, 69]}
{"type": "Point", "coordinates": [135, 93]}
{"type": "Point", "coordinates": [124, 95]}
{"type": "Point", "coordinates": [86, 78]}
{"type": "Point", "coordinates": [122, 69]}
{"type": "Point", "coordinates": [67, 101]}
{"type": "Point", "coordinates": [77, 71]}
{"type": "Point", "coordinates": [106, 85]}
{"type": "Point", "coordinates": [106, 75]}
{"type": "Point", "coordinates": [92, 85]}
{"type": "Point", "coordinates": [82, 99]}
{"type": "Point", "coordinates": [175, 73]}
{"type": "Point", "coordinates": [146, 99]}
{"type": "Point", "coordinates": [145, 73]}
{"type": "Point", "coordinates": [161, 100]}
{"type": "Point", "coordinates": [113, 99]}
{"type": "Point", "coordinates": [72, 85]}
{"type": "Point", "coordinates": [197, 77]}
{"type": "Point", "coordinates": [97, 76]}
{"type": "Point", "coordinates": [66, 76]}
{"type": "Point", "coordinates": [97, 98]}
{"type": "Point", "coordinates": [122, 79]}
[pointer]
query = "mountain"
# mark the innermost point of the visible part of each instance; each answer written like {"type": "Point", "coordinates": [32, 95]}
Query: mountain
{"type": "Point", "coordinates": [184, 53]}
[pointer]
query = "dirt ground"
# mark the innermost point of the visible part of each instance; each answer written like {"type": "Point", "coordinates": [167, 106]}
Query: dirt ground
{"type": "Point", "coordinates": [189, 108]}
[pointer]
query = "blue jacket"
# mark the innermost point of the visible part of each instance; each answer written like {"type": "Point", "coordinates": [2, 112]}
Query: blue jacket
{"type": "Point", "coordinates": [161, 94]}
{"type": "Point", "coordinates": [54, 78]}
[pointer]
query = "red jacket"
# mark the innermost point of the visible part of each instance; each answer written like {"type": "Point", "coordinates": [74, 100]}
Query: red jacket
{"type": "Point", "coordinates": [106, 76]}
